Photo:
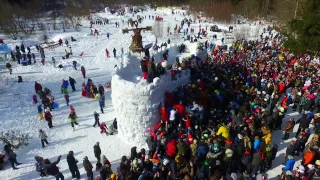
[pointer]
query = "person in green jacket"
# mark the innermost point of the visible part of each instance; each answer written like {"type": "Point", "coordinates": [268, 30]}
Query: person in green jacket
{"type": "Point", "coordinates": [73, 117]}
{"type": "Point", "coordinates": [181, 148]}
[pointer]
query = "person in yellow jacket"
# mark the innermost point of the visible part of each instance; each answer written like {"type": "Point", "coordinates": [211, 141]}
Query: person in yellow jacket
{"type": "Point", "coordinates": [223, 131]}
{"type": "Point", "coordinates": [267, 137]}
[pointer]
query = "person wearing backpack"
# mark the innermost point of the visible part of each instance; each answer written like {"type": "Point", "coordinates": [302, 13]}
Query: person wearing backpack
{"type": "Point", "coordinates": [52, 169]}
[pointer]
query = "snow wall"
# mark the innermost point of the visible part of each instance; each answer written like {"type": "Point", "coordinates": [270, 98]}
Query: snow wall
{"type": "Point", "coordinates": [136, 102]}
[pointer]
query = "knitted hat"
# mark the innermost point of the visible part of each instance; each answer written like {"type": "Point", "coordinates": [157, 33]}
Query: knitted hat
{"type": "Point", "coordinates": [229, 153]}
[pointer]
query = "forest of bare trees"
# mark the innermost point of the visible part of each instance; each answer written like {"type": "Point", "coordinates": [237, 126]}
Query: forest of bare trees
{"type": "Point", "coordinates": [28, 16]}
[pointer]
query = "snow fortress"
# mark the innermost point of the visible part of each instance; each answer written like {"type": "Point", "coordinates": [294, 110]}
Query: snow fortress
{"type": "Point", "coordinates": [136, 102]}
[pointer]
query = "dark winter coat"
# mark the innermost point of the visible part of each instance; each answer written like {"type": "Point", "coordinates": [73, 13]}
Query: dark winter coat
{"type": "Point", "coordinates": [83, 70]}
{"type": "Point", "coordinates": [115, 124]}
{"type": "Point", "coordinates": [72, 162]}
{"type": "Point", "coordinates": [96, 150]}
{"type": "Point", "coordinates": [291, 149]}
{"type": "Point", "coordinates": [96, 116]}
{"type": "Point", "coordinates": [144, 67]}
{"type": "Point", "coordinates": [133, 153]}
{"type": "Point", "coordinates": [51, 168]}
{"type": "Point", "coordinates": [304, 121]}
{"type": "Point", "coordinates": [87, 165]}
{"type": "Point", "coordinates": [72, 81]}
{"type": "Point", "coordinates": [202, 151]}
{"type": "Point", "coordinates": [47, 116]}
{"type": "Point", "coordinates": [256, 159]}
{"type": "Point", "coordinates": [37, 87]}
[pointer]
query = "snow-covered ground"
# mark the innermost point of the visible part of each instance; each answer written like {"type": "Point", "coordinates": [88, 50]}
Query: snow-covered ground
{"type": "Point", "coordinates": [19, 113]}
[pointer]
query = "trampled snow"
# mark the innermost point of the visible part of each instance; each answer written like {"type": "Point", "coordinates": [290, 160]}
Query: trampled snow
{"type": "Point", "coordinates": [19, 113]}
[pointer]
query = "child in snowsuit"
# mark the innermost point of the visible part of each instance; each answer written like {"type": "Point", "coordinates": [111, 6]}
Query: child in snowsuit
{"type": "Point", "coordinates": [96, 119]}
{"type": "Point", "coordinates": [35, 99]}
{"type": "Point", "coordinates": [83, 93]}
{"type": "Point", "coordinates": [43, 137]}
{"type": "Point", "coordinates": [73, 117]}
{"type": "Point", "coordinates": [103, 128]}
{"type": "Point", "coordinates": [48, 118]}
{"type": "Point", "coordinates": [66, 97]}
{"type": "Point", "coordinates": [40, 110]}
{"type": "Point", "coordinates": [101, 104]}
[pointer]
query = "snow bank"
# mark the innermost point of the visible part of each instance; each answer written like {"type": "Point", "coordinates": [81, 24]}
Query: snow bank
{"type": "Point", "coordinates": [136, 102]}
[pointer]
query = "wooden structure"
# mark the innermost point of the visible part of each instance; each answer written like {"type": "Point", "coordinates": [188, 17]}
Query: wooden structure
{"type": "Point", "coordinates": [136, 44]}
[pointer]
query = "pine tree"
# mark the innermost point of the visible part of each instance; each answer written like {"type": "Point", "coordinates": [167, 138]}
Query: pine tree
{"type": "Point", "coordinates": [304, 32]}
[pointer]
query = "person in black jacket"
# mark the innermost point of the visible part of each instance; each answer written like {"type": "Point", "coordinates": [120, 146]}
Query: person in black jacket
{"type": "Point", "coordinates": [52, 169]}
{"type": "Point", "coordinates": [97, 151]}
{"type": "Point", "coordinates": [72, 83]}
{"type": "Point", "coordinates": [29, 58]}
{"type": "Point", "coordinates": [12, 157]}
{"type": "Point", "coordinates": [291, 149]}
{"type": "Point", "coordinates": [72, 163]}
{"type": "Point", "coordinates": [304, 123]}
{"type": "Point", "coordinates": [102, 171]}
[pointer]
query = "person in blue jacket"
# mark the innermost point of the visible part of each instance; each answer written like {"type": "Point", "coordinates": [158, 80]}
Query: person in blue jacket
{"type": "Point", "coordinates": [96, 119]}
{"type": "Point", "coordinates": [256, 143]}
{"type": "Point", "coordinates": [202, 151]}
{"type": "Point", "coordinates": [101, 104]}
{"type": "Point", "coordinates": [289, 164]}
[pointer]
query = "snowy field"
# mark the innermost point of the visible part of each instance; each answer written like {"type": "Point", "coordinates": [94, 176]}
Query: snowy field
{"type": "Point", "coordinates": [19, 113]}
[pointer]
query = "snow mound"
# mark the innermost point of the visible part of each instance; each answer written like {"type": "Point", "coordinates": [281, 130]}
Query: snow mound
{"type": "Point", "coordinates": [136, 102]}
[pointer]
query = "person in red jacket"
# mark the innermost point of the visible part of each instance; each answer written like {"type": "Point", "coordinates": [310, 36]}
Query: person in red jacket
{"type": "Point", "coordinates": [37, 87]}
{"type": "Point", "coordinates": [48, 118]}
{"type": "Point", "coordinates": [187, 121]}
{"type": "Point", "coordinates": [171, 148]}
{"type": "Point", "coordinates": [164, 114]}
{"type": "Point", "coordinates": [200, 84]}
{"type": "Point", "coordinates": [181, 109]}
{"type": "Point", "coordinates": [107, 53]}
{"type": "Point", "coordinates": [281, 87]}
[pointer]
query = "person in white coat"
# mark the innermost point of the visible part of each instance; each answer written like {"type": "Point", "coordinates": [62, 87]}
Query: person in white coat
{"type": "Point", "coordinates": [43, 137]}
{"type": "Point", "coordinates": [172, 116]}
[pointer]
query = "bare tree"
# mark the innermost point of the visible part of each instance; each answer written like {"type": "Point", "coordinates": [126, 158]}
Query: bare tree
{"type": "Point", "coordinates": [157, 29]}
{"type": "Point", "coordinates": [14, 139]}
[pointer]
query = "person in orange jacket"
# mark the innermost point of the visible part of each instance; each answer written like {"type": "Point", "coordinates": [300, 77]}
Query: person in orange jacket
{"type": "Point", "coordinates": [308, 157]}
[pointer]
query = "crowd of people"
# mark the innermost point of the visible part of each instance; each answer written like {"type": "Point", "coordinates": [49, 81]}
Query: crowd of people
{"type": "Point", "coordinates": [220, 125]}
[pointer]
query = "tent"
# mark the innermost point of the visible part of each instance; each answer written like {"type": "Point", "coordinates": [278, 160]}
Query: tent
{"type": "Point", "coordinates": [4, 52]}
